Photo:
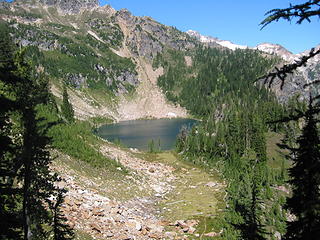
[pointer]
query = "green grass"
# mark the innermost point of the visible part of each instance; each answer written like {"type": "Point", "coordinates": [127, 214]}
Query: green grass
{"type": "Point", "coordinates": [101, 97]}
{"type": "Point", "coordinates": [191, 198]}
{"type": "Point", "coordinates": [78, 141]}
{"type": "Point", "coordinates": [276, 155]}
{"type": "Point", "coordinates": [98, 121]}
{"type": "Point", "coordinates": [114, 183]}
{"type": "Point", "coordinates": [79, 235]}
{"type": "Point", "coordinates": [210, 224]}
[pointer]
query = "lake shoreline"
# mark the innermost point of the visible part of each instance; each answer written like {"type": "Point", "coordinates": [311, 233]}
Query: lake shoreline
{"type": "Point", "coordinates": [145, 134]}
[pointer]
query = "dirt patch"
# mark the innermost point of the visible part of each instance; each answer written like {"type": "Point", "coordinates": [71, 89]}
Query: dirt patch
{"type": "Point", "coordinates": [149, 101]}
{"type": "Point", "coordinates": [188, 61]}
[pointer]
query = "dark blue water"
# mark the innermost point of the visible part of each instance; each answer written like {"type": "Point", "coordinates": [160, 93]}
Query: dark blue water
{"type": "Point", "coordinates": [139, 133]}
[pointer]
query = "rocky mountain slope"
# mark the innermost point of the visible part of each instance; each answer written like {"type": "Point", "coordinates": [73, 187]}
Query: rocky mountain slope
{"type": "Point", "coordinates": [105, 56]}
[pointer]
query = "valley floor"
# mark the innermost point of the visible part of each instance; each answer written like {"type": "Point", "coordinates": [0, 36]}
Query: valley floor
{"type": "Point", "coordinates": [152, 196]}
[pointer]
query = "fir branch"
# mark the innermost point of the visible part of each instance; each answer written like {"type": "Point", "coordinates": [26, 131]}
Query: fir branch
{"type": "Point", "coordinates": [311, 83]}
{"type": "Point", "coordinates": [286, 69]}
{"type": "Point", "coordinates": [301, 11]}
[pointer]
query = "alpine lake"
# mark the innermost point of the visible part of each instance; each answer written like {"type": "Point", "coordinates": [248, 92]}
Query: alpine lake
{"type": "Point", "coordinates": [155, 134]}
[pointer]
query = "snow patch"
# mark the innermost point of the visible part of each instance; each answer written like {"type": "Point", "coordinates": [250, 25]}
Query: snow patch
{"type": "Point", "coordinates": [231, 45]}
{"type": "Point", "coordinates": [209, 39]}
{"type": "Point", "coordinates": [278, 50]}
{"type": "Point", "coordinates": [171, 115]}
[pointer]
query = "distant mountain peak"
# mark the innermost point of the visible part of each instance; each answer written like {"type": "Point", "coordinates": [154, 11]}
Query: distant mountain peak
{"type": "Point", "coordinates": [270, 48]}
{"type": "Point", "coordinates": [276, 49]}
{"type": "Point", "coordinates": [209, 39]}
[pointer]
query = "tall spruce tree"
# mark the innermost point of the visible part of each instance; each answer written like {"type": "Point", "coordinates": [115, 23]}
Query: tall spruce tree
{"type": "Point", "coordinates": [37, 181]}
{"type": "Point", "coordinates": [66, 108]}
{"type": "Point", "coordinates": [305, 173]}
{"type": "Point", "coordinates": [305, 181]}
{"type": "Point", "coordinates": [61, 231]}
{"type": "Point", "coordinates": [10, 194]}
{"type": "Point", "coordinates": [249, 202]}
{"type": "Point", "coordinates": [26, 183]}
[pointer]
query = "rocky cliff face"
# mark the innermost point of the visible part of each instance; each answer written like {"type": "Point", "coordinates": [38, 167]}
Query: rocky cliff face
{"type": "Point", "coordinates": [147, 38]}
{"type": "Point", "coordinates": [295, 83]}
{"type": "Point", "coordinates": [71, 6]}
{"type": "Point", "coordinates": [96, 32]}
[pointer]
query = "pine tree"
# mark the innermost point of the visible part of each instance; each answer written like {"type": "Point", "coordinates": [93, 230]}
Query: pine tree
{"type": "Point", "coordinates": [248, 201]}
{"type": "Point", "coordinates": [37, 181]}
{"type": "Point", "coordinates": [26, 183]}
{"type": "Point", "coordinates": [305, 181]}
{"type": "Point", "coordinates": [256, 229]}
{"type": "Point", "coordinates": [10, 194]}
{"type": "Point", "coordinates": [66, 108]}
{"type": "Point", "coordinates": [61, 231]}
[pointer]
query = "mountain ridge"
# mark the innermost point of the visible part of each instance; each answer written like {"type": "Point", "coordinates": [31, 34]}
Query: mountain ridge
{"type": "Point", "coordinates": [102, 49]}
{"type": "Point", "coordinates": [122, 47]}
{"type": "Point", "coordinates": [270, 48]}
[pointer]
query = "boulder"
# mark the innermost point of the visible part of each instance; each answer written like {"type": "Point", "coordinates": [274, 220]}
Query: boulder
{"type": "Point", "coordinates": [211, 184]}
{"type": "Point", "coordinates": [170, 235]}
{"type": "Point", "coordinates": [191, 230]}
{"type": "Point", "coordinates": [134, 224]}
{"type": "Point", "coordinates": [211, 234]}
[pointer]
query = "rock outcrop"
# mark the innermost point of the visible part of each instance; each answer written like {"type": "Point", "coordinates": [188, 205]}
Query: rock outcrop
{"type": "Point", "coordinates": [71, 6]}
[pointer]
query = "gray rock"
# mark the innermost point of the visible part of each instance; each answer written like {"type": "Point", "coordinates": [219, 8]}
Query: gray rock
{"type": "Point", "coordinates": [71, 6]}
{"type": "Point", "coordinates": [211, 184]}
{"type": "Point", "coordinates": [77, 80]}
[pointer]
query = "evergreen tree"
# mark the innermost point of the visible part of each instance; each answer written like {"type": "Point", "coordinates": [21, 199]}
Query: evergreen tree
{"type": "Point", "coordinates": [305, 181]}
{"type": "Point", "coordinates": [37, 182]}
{"type": "Point", "coordinates": [26, 183]}
{"type": "Point", "coordinates": [66, 108]}
{"type": "Point", "coordinates": [248, 199]}
{"type": "Point", "coordinates": [61, 231]}
{"type": "Point", "coordinates": [255, 227]}
{"type": "Point", "coordinates": [10, 194]}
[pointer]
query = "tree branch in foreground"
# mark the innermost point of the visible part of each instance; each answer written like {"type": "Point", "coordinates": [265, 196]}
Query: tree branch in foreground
{"type": "Point", "coordinates": [287, 69]}
{"type": "Point", "coordinates": [303, 12]}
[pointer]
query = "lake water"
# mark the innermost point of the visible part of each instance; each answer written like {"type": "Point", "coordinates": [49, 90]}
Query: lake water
{"type": "Point", "coordinates": [140, 133]}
